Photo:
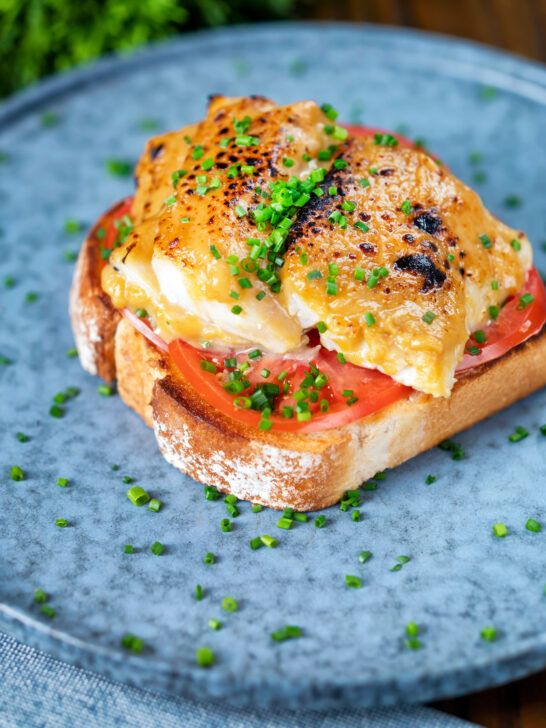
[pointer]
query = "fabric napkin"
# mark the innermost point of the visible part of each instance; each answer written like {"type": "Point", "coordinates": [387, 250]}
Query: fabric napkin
{"type": "Point", "coordinates": [39, 691]}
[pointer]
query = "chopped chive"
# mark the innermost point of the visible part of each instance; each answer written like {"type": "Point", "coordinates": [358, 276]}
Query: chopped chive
{"type": "Point", "coordinates": [214, 624]}
{"type": "Point", "coordinates": [204, 656]}
{"type": "Point", "coordinates": [320, 521]}
{"type": "Point", "coordinates": [31, 297]}
{"type": "Point", "coordinates": [170, 200]}
{"type": "Point", "coordinates": [533, 525]}
{"type": "Point", "coordinates": [353, 581]}
{"type": "Point", "coordinates": [363, 228]}
{"type": "Point", "coordinates": [493, 312]}
{"type": "Point", "coordinates": [430, 479]}
{"type": "Point", "coordinates": [428, 317]}
{"type": "Point", "coordinates": [127, 479]}
{"type": "Point", "coordinates": [129, 548]}
{"type": "Point", "coordinates": [516, 245]}
{"type": "Point", "coordinates": [209, 558]}
{"type": "Point", "coordinates": [21, 437]}
{"type": "Point", "coordinates": [314, 275]}
{"type": "Point", "coordinates": [61, 522]}
{"type": "Point", "coordinates": [285, 523]}
{"type": "Point", "coordinates": [525, 301]}
{"type": "Point", "coordinates": [364, 556]}
{"type": "Point", "coordinates": [488, 634]}
{"type": "Point", "coordinates": [500, 530]}
{"type": "Point", "coordinates": [157, 548]}
{"type": "Point", "coordinates": [256, 508]}
{"type": "Point", "coordinates": [48, 611]}
{"type": "Point", "coordinates": [486, 241]}
{"type": "Point", "coordinates": [513, 201]}
{"type": "Point", "coordinates": [406, 207]}
{"type": "Point", "coordinates": [479, 336]}
{"type": "Point", "coordinates": [229, 604]}
{"type": "Point", "coordinates": [474, 350]}
{"type": "Point", "coordinates": [412, 629]}
{"type": "Point", "coordinates": [62, 482]}
{"type": "Point", "coordinates": [199, 592]}
{"type": "Point", "coordinates": [256, 543]}
{"type": "Point", "coordinates": [105, 389]}
{"type": "Point", "coordinates": [520, 434]}
{"type": "Point", "coordinates": [177, 175]}
{"type": "Point", "coordinates": [118, 167]}
{"type": "Point", "coordinates": [137, 495]}
{"type": "Point", "coordinates": [225, 525]}
{"type": "Point", "coordinates": [154, 505]}
{"type": "Point", "coordinates": [40, 596]}
{"type": "Point", "coordinates": [413, 644]}
{"type": "Point", "coordinates": [269, 541]}
{"type": "Point", "coordinates": [16, 473]}
{"type": "Point", "coordinates": [369, 318]}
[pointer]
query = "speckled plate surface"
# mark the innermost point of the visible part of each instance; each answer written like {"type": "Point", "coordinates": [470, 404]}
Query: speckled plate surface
{"type": "Point", "coordinates": [460, 577]}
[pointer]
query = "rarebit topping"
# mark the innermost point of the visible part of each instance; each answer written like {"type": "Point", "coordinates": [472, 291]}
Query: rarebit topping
{"type": "Point", "coordinates": [263, 222]}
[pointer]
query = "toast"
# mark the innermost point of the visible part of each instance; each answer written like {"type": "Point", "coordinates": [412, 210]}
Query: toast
{"type": "Point", "coordinates": [305, 471]}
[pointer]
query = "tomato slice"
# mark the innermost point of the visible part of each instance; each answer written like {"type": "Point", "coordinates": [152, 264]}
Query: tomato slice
{"type": "Point", "coordinates": [109, 223]}
{"type": "Point", "coordinates": [515, 324]}
{"type": "Point", "coordinates": [372, 389]}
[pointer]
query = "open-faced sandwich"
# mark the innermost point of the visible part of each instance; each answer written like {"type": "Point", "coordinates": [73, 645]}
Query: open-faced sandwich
{"type": "Point", "coordinates": [295, 306]}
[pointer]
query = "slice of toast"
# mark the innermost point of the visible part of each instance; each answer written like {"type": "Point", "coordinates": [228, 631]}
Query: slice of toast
{"type": "Point", "coordinates": [306, 471]}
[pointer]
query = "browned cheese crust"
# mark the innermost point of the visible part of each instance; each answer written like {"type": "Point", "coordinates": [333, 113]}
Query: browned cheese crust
{"type": "Point", "coordinates": [305, 471]}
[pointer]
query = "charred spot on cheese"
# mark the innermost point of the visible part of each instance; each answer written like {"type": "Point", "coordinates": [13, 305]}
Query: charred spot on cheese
{"type": "Point", "coordinates": [428, 223]}
{"type": "Point", "coordinates": [420, 264]}
{"type": "Point", "coordinates": [408, 238]}
{"type": "Point", "coordinates": [155, 151]}
{"type": "Point", "coordinates": [129, 248]}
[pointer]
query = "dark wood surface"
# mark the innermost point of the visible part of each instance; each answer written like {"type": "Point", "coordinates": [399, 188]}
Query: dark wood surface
{"type": "Point", "coordinates": [518, 26]}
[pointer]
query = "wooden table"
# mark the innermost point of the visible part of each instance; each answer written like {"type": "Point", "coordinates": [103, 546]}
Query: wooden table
{"type": "Point", "coordinates": [518, 26]}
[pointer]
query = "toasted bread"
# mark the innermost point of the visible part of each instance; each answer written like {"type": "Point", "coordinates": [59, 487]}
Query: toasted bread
{"type": "Point", "coordinates": [306, 471]}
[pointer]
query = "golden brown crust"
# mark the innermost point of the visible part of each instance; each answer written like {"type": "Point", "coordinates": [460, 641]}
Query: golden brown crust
{"type": "Point", "coordinates": [306, 471]}
{"type": "Point", "coordinates": [94, 318]}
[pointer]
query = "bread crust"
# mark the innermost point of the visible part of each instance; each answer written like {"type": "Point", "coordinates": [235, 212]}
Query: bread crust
{"type": "Point", "coordinates": [307, 471]}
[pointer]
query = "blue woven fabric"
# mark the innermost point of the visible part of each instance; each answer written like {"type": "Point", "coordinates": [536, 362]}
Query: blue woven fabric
{"type": "Point", "coordinates": [38, 691]}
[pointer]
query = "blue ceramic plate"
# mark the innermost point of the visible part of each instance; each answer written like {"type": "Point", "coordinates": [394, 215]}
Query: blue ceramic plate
{"type": "Point", "coordinates": [56, 139]}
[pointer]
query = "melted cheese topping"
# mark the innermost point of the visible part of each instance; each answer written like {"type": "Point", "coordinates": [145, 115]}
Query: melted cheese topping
{"type": "Point", "coordinates": [417, 222]}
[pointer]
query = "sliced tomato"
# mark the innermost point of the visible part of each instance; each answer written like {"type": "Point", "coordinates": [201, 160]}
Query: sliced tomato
{"type": "Point", "coordinates": [516, 323]}
{"type": "Point", "coordinates": [372, 389]}
{"type": "Point", "coordinates": [107, 223]}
